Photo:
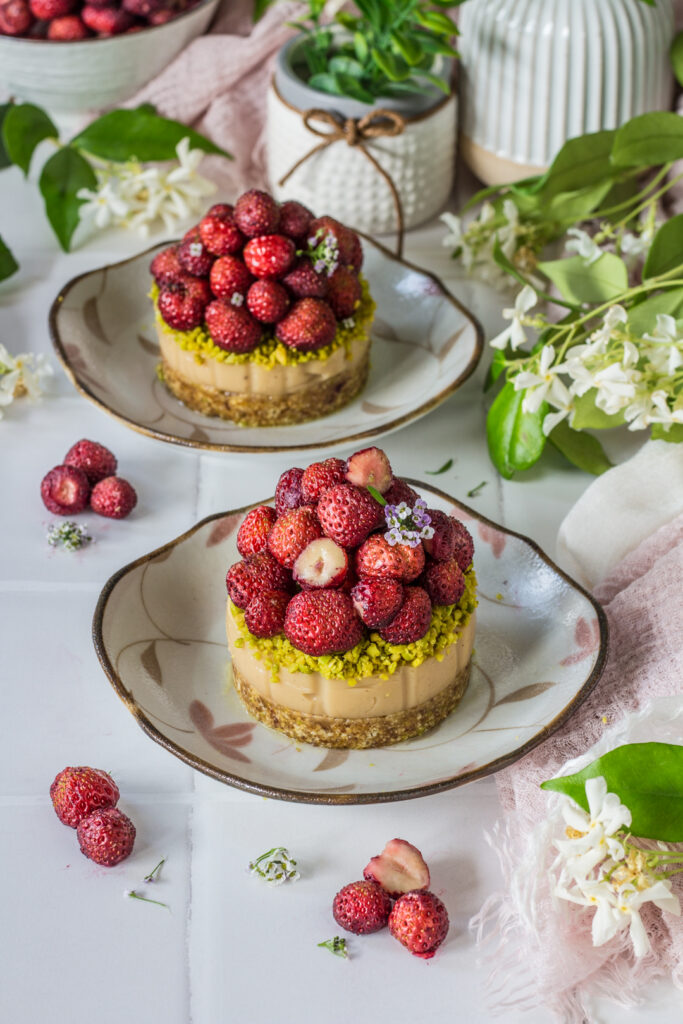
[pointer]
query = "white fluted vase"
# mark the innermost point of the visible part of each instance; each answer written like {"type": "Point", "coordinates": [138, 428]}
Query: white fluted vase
{"type": "Point", "coordinates": [535, 73]}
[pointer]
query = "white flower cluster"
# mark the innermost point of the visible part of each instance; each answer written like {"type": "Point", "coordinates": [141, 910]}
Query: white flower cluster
{"type": "Point", "coordinates": [473, 245]}
{"type": "Point", "coordinates": [599, 868]}
{"type": "Point", "coordinates": [135, 196]}
{"type": "Point", "coordinates": [275, 866]}
{"type": "Point", "coordinates": [640, 378]}
{"type": "Point", "coordinates": [21, 375]}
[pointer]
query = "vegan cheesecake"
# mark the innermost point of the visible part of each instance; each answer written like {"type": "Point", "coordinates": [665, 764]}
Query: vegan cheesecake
{"type": "Point", "coordinates": [351, 615]}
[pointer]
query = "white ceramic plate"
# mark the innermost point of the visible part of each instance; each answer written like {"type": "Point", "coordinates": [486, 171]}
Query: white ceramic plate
{"type": "Point", "coordinates": [425, 345]}
{"type": "Point", "coordinates": [159, 631]}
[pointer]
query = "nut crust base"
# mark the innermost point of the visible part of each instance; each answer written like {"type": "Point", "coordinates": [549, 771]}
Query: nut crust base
{"type": "Point", "coordinates": [353, 733]}
{"type": "Point", "coordinates": [310, 403]}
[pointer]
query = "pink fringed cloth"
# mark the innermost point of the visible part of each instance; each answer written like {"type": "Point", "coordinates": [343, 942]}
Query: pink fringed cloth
{"type": "Point", "coordinates": [540, 947]}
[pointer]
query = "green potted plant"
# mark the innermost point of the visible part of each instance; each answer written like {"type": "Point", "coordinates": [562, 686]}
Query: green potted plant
{"type": "Point", "coordinates": [362, 112]}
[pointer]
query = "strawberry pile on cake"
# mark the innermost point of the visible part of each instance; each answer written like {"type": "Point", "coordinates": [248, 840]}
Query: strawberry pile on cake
{"type": "Point", "coordinates": [262, 313]}
{"type": "Point", "coordinates": [351, 615]}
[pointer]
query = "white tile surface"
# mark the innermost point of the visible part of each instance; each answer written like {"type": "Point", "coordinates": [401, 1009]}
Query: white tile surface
{"type": "Point", "coordinates": [73, 949]}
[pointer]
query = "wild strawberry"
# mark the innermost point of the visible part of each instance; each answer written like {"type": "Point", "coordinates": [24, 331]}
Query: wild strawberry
{"type": "Point", "coordinates": [15, 18]}
{"type": "Point", "coordinates": [68, 29]}
{"type": "Point", "coordinates": [419, 920]}
{"type": "Point", "coordinates": [342, 235]}
{"type": "Point", "coordinates": [232, 328]}
{"type": "Point", "coordinates": [113, 497]}
{"type": "Point", "coordinates": [194, 257]}
{"type": "Point", "coordinates": [106, 836]}
{"type": "Point", "coordinates": [309, 325]}
{"type": "Point", "coordinates": [288, 490]}
{"type": "Point", "coordinates": [295, 219]}
{"type": "Point", "coordinates": [265, 614]}
{"type": "Point", "coordinates": [400, 491]}
{"type": "Point", "coordinates": [65, 490]}
{"type": "Point", "coordinates": [219, 232]}
{"type": "Point", "coordinates": [320, 622]}
{"type": "Point", "coordinates": [369, 466]}
{"type": "Point", "coordinates": [229, 276]}
{"type": "Point", "coordinates": [444, 582]}
{"type": "Point", "coordinates": [77, 792]}
{"type": "Point", "coordinates": [261, 572]}
{"type": "Point", "coordinates": [106, 21]}
{"type": "Point", "coordinates": [413, 561]}
{"type": "Point", "coordinates": [291, 533]}
{"type": "Point", "coordinates": [305, 282]}
{"type": "Point", "coordinates": [94, 459]}
{"type": "Point", "coordinates": [143, 9]}
{"type": "Point", "coordinates": [253, 533]}
{"type": "Point", "coordinates": [361, 908]}
{"type": "Point", "coordinates": [376, 559]}
{"type": "Point", "coordinates": [322, 563]}
{"type": "Point", "coordinates": [441, 546]}
{"type": "Point", "coordinates": [256, 213]}
{"type": "Point", "coordinates": [399, 868]}
{"type": "Point", "coordinates": [377, 601]}
{"type": "Point", "coordinates": [348, 514]}
{"type": "Point", "coordinates": [165, 267]}
{"type": "Point", "coordinates": [464, 546]}
{"type": "Point", "coordinates": [157, 18]}
{"type": "Point", "coordinates": [320, 476]}
{"type": "Point", "coordinates": [267, 301]}
{"type": "Point", "coordinates": [344, 292]}
{"type": "Point", "coordinates": [46, 10]}
{"type": "Point", "coordinates": [412, 620]}
{"type": "Point", "coordinates": [269, 256]}
{"type": "Point", "coordinates": [180, 305]}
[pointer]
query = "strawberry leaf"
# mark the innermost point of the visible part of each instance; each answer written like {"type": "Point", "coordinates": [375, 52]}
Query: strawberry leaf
{"type": "Point", "coordinates": [62, 177]}
{"type": "Point", "coordinates": [139, 134]}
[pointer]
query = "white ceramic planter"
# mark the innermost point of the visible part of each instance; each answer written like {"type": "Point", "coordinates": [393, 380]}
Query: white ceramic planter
{"type": "Point", "coordinates": [95, 73]}
{"type": "Point", "coordinates": [339, 180]}
{"type": "Point", "coordinates": [535, 73]}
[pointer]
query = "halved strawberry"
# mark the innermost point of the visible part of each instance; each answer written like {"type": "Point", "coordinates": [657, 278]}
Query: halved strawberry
{"type": "Point", "coordinates": [369, 466]}
{"type": "Point", "coordinates": [322, 563]}
{"type": "Point", "coordinates": [399, 868]}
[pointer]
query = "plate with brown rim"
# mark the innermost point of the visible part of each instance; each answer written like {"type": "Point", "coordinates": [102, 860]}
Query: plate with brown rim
{"type": "Point", "coordinates": [159, 632]}
{"type": "Point", "coordinates": [425, 345]}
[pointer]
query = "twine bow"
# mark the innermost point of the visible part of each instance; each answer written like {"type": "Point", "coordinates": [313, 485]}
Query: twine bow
{"type": "Point", "coordinates": [356, 132]}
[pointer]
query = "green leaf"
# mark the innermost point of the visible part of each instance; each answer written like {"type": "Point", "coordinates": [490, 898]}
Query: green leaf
{"type": "Point", "coordinates": [61, 178]}
{"type": "Point", "coordinates": [676, 54]}
{"type": "Point", "coordinates": [138, 134]}
{"type": "Point", "coordinates": [580, 162]}
{"type": "Point", "coordinates": [666, 251]}
{"type": "Point", "coordinates": [8, 264]}
{"type": "Point", "coordinates": [498, 364]}
{"type": "Point", "coordinates": [347, 20]}
{"type": "Point", "coordinates": [346, 65]}
{"type": "Point", "coordinates": [655, 138]}
{"type": "Point", "coordinates": [674, 434]}
{"type": "Point", "coordinates": [582, 450]}
{"type": "Point", "coordinates": [436, 21]}
{"type": "Point", "coordinates": [350, 86]}
{"type": "Point", "coordinates": [4, 158]}
{"type": "Point", "coordinates": [647, 778]}
{"type": "Point", "coordinates": [515, 438]}
{"type": "Point", "coordinates": [434, 44]}
{"type": "Point", "coordinates": [407, 46]}
{"type": "Point", "coordinates": [476, 491]}
{"type": "Point", "coordinates": [23, 128]}
{"type": "Point", "coordinates": [325, 82]}
{"type": "Point", "coordinates": [573, 206]}
{"type": "Point", "coordinates": [393, 66]}
{"type": "Point", "coordinates": [642, 319]}
{"type": "Point", "coordinates": [587, 416]}
{"type": "Point", "coordinates": [443, 469]}
{"type": "Point", "coordinates": [599, 282]}
{"type": "Point", "coordinates": [360, 46]}
{"type": "Point", "coordinates": [260, 7]}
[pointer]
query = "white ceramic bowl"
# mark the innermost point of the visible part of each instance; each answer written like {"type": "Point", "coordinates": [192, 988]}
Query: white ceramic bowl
{"type": "Point", "coordinates": [95, 73]}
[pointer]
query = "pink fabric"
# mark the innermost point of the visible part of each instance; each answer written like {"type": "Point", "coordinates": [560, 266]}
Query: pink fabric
{"type": "Point", "coordinates": [545, 954]}
{"type": "Point", "coordinates": [218, 85]}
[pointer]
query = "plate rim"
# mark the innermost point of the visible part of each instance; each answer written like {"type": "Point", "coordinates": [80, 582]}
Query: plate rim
{"type": "Point", "coordinates": [393, 796]}
{"type": "Point", "coordinates": [161, 435]}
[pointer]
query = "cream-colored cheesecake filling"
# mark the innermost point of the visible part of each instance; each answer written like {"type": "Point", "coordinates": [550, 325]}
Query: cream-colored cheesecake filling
{"type": "Point", "coordinates": [251, 378]}
{"type": "Point", "coordinates": [314, 694]}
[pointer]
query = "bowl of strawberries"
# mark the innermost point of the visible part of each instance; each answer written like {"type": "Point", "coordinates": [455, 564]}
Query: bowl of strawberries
{"type": "Point", "coordinates": [114, 47]}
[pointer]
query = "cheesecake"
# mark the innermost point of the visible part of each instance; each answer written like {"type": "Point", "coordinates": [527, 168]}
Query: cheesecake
{"type": "Point", "coordinates": [262, 314]}
{"type": "Point", "coordinates": [351, 616]}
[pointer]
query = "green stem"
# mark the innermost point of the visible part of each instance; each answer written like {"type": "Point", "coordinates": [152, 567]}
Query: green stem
{"type": "Point", "coordinates": [609, 210]}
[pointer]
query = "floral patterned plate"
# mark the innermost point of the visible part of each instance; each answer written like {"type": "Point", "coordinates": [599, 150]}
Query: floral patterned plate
{"type": "Point", "coordinates": [159, 632]}
{"type": "Point", "coordinates": [425, 345]}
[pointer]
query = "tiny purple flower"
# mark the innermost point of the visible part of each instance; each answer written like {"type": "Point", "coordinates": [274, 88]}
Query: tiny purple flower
{"type": "Point", "coordinates": [408, 526]}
